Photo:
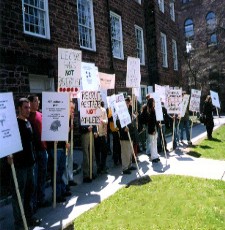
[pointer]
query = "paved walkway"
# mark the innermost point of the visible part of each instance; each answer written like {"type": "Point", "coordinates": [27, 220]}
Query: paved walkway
{"type": "Point", "coordinates": [86, 196]}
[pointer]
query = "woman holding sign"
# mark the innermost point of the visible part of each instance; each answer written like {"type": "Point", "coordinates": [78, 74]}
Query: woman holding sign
{"type": "Point", "coordinates": [152, 130]}
{"type": "Point", "coordinates": [208, 112]}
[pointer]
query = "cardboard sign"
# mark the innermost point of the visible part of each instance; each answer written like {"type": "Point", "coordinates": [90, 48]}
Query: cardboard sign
{"type": "Point", "coordinates": [90, 111]}
{"type": "Point", "coordinates": [112, 105]}
{"type": "Point", "coordinates": [158, 107]}
{"type": "Point", "coordinates": [184, 104]}
{"type": "Point", "coordinates": [133, 77]}
{"type": "Point", "coordinates": [215, 99]}
{"type": "Point", "coordinates": [55, 116]}
{"type": "Point", "coordinates": [90, 78]}
{"type": "Point", "coordinates": [10, 140]}
{"type": "Point", "coordinates": [195, 100]}
{"type": "Point", "coordinates": [69, 70]}
{"type": "Point", "coordinates": [107, 81]}
{"type": "Point", "coordinates": [122, 110]}
{"type": "Point", "coordinates": [174, 101]}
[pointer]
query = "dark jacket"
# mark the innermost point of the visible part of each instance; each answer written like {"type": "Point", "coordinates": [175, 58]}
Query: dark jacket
{"type": "Point", "coordinates": [153, 124]}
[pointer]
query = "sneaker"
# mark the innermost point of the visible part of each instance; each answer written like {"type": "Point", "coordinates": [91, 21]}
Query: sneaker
{"type": "Point", "coordinates": [127, 171]}
{"type": "Point", "coordinates": [34, 221]}
{"type": "Point", "coordinates": [189, 142]}
{"type": "Point", "coordinates": [132, 168]}
{"type": "Point", "coordinates": [156, 160]}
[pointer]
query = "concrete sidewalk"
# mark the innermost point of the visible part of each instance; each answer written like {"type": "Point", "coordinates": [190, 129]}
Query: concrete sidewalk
{"type": "Point", "coordinates": [85, 196]}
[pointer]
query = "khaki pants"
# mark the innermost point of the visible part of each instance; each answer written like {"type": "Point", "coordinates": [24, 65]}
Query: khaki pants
{"type": "Point", "coordinates": [126, 154]}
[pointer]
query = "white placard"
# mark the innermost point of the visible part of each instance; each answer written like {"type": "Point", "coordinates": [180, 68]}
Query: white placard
{"type": "Point", "coordinates": [89, 75]}
{"type": "Point", "coordinates": [55, 116]}
{"type": "Point", "coordinates": [184, 104]}
{"type": "Point", "coordinates": [10, 141]}
{"type": "Point", "coordinates": [215, 99]}
{"type": "Point", "coordinates": [112, 102]}
{"type": "Point", "coordinates": [133, 77]}
{"type": "Point", "coordinates": [122, 110]}
{"type": "Point", "coordinates": [161, 90]}
{"type": "Point", "coordinates": [136, 92]}
{"type": "Point", "coordinates": [174, 101]}
{"type": "Point", "coordinates": [158, 107]}
{"type": "Point", "coordinates": [194, 105]}
{"type": "Point", "coordinates": [69, 70]}
{"type": "Point", "coordinates": [90, 111]}
{"type": "Point", "coordinates": [107, 81]}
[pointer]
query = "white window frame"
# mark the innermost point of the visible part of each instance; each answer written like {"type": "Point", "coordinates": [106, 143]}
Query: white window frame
{"type": "Point", "coordinates": [172, 11]}
{"type": "Point", "coordinates": [161, 5]}
{"type": "Point", "coordinates": [118, 38]}
{"type": "Point", "coordinates": [174, 51]}
{"type": "Point", "coordinates": [36, 18]}
{"type": "Point", "coordinates": [86, 27]}
{"type": "Point", "coordinates": [164, 50]}
{"type": "Point", "coordinates": [140, 44]}
{"type": "Point", "coordinates": [143, 93]}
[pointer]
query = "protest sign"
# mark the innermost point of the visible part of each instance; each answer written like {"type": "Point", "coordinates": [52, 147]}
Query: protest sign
{"type": "Point", "coordinates": [10, 140]}
{"type": "Point", "coordinates": [89, 75]}
{"type": "Point", "coordinates": [215, 99]}
{"type": "Point", "coordinates": [184, 104]}
{"type": "Point", "coordinates": [133, 77]}
{"type": "Point", "coordinates": [174, 101]}
{"type": "Point", "coordinates": [112, 105]}
{"type": "Point", "coordinates": [107, 81]}
{"type": "Point", "coordinates": [122, 110]}
{"type": "Point", "coordinates": [69, 71]}
{"type": "Point", "coordinates": [90, 111]}
{"type": "Point", "coordinates": [195, 100]}
{"type": "Point", "coordinates": [158, 107]}
{"type": "Point", "coordinates": [55, 116]}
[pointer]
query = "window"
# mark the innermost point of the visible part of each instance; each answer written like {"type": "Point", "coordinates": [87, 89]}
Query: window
{"type": "Point", "coordinates": [185, 1]}
{"type": "Point", "coordinates": [86, 24]}
{"type": "Point", "coordinates": [35, 18]}
{"type": "Point", "coordinates": [161, 5]}
{"type": "Point", "coordinates": [211, 20]}
{"type": "Point", "coordinates": [164, 50]}
{"type": "Point", "coordinates": [140, 44]}
{"type": "Point", "coordinates": [117, 37]}
{"type": "Point", "coordinates": [213, 39]}
{"type": "Point", "coordinates": [172, 12]}
{"type": "Point", "coordinates": [174, 50]}
{"type": "Point", "coordinates": [189, 28]}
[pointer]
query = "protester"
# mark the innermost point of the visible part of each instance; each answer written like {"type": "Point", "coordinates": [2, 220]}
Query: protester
{"type": "Point", "coordinates": [185, 124]}
{"type": "Point", "coordinates": [152, 130]}
{"type": "Point", "coordinates": [116, 140]}
{"type": "Point", "coordinates": [88, 132]}
{"type": "Point", "coordinates": [41, 155]}
{"type": "Point", "coordinates": [24, 166]}
{"type": "Point", "coordinates": [101, 149]}
{"type": "Point", "coordinates": [61, 191]}
{"type": "Point", "coordinates": [161, 141]}
{"type": "Point", "coordinates": [68, 172]}
{"type": "Point", "coordinates": [126, 146]}
{"type": "Point", "coordinates": [208, 109]}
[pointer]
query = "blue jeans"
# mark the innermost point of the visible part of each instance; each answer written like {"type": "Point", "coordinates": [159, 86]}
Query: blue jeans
{"type": "Point", "coordinates": [40, 173]}
{"type": "Point", "coordinates": [25, 179]}
{"type": "Point", "coordinates": [176, 137]}
{"type": "Point", "coordinates": [185, 125]}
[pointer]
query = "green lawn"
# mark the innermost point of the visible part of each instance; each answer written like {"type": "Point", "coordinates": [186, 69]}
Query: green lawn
{"type": "Point", "coordinates": [214, 149]}
{"type": "Point", "coordinates": [168, 202]}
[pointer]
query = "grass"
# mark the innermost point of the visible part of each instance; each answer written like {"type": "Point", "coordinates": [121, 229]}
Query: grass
{"type": "Point", "coordinates": [214, 149]}
{"type": "Point", "coordinates": [168, 202]}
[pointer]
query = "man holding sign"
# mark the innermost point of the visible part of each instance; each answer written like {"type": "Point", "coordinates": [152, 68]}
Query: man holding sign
{"type": "Point", "coordinates": [24, 165]}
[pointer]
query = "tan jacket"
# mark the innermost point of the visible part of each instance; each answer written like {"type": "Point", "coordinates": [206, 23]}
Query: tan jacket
{"type": "Point", "coordinates": [102, 127]}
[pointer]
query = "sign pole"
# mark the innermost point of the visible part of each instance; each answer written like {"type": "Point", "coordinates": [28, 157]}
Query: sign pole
{"type": "Point", "coordinates": [54, 180]}
{"type": "Point", "coordinates": [18, 196]}
{"type": "Point", "coordinates": [90, 133]}
{"type": "Point", "coordinates": [133, 152]}
{"type": "Point", "coordinates": [164, 148]}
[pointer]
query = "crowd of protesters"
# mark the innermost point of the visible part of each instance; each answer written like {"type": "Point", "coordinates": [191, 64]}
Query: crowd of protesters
{"type": "Point", "coordinates": [144, 133]}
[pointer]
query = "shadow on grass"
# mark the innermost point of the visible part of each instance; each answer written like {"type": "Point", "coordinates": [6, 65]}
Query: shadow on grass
{"type": "Point", "coordinates": [139, 181]}
{"type": "Point", "coordinates": [214, 139]}
{"type": "Point", "coordinates": [194, 154]}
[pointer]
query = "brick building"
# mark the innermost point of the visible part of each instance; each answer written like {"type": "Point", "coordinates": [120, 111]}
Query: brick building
{"type": "Point", "coordinates": [202, 26]}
